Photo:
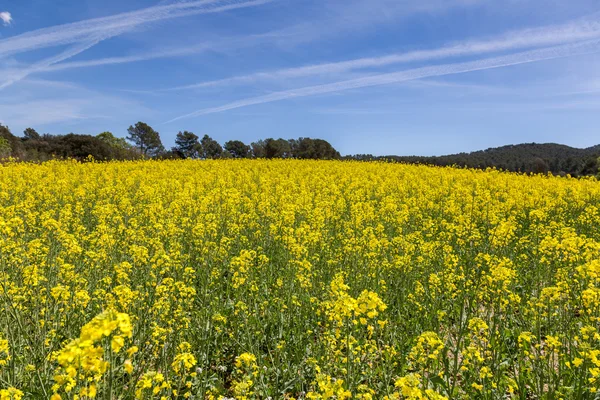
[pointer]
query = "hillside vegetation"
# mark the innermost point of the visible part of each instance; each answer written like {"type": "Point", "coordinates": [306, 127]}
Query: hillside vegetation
{"type": "Point", "coordinates": [528, 158]}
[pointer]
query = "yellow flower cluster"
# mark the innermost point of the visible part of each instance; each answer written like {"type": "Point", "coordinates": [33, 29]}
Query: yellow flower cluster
{"type": "Point", "coordinates": [152, 385]}
{"type": "Point", "coordinates": [11, 394]}
{"type": "Point", "coordinates": [245, 372]}
{"type": "Point", "coordinates": [82, 363]}
{"type": "Point", "coordinates": [329, 389]}
{"type": "Point", "coordinates": [342, 306]}
{"type": "Point", "coordinates": [4, 352]}
{"type": "Point", "coordinates": [428, 349]}
{"type": "Point", "coordinates": [409, 387]}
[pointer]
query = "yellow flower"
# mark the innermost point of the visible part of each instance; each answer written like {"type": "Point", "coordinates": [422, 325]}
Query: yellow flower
{"type": "Point", "coordinates": [128, 366]}
{"type": "Point", "coordinates": [11, 394]}
{"type": "Point", "coordinates": [245, 360]}
{"type": "Point", "coordinates": [183, 362]}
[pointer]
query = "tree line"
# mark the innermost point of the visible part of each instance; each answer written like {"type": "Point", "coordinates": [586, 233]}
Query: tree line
{"type": "Point", "coordinates": [143, 141]}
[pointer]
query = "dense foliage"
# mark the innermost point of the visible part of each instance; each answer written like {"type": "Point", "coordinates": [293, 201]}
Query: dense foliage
{"type": "Point", "coordinates": [35, 147]}
{"type": "Point", "coordinates": [281, 279]}
{"type": "Point", "coordinates": [146, 143]}
{"type": "Point", "coordinates": [528, 158]}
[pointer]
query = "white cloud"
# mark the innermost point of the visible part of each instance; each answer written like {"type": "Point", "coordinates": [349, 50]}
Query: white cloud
{"type": "Point", "coordinates": [5, 17]}
{"type": "Point", "coordinates": [411, 74]}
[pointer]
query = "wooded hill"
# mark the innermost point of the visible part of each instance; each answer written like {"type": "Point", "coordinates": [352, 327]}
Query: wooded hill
{"type": "Point", "coordinates": [528, 157]}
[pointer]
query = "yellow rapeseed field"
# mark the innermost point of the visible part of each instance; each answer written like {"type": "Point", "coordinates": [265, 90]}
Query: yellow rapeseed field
{"type": "Point", "coordinates": [296, 279]}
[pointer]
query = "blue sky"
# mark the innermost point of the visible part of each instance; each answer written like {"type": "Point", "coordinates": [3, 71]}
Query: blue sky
{"type": "Point", "coordinates": [371, 76]}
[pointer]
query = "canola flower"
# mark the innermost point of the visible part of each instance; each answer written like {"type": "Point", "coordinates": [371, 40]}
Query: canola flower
{"type": "Point", "coordinates": [288, 279]}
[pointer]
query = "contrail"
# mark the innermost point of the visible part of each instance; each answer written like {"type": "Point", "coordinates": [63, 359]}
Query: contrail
{"type": "Point", "coordinates": [586, 47]}
{"type": "Point", "coordinates": [128, 59]}
{"type": "Point", "coordinates": [574, 31]}
{"type": "Point", "coordinates": [161, 53]}
{"type": "Point", "coordinates": [582, 29]}
{"type": "Point", "coordinates": [48, 62]}
{"type": "Point", "coordinates": [116, 24]}
{"type": "Point", "coordinates": [71, 52]}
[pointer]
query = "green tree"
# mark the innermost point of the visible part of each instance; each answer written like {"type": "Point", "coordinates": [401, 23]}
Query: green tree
{"type": "Point", "coordinates": [31, 134]}
{"type": "Point", "coordinates": [146, 139]}
{"type": "Point", "coordinates": [317, 149]}
{"type": "Point", "coordinates": [187, 144]}
{"type": "Point", "coordinates": [5, 149]}
{"type": "Point", "coordinates": [210, 147]}
{"type": "Point", "coordinates": [258, 149]}
{"type": "Point", "coordinates": [539, 166]}
{"type": "Point", "coordinates": [277, 148]}
{"type": "Point", "coordinates": [116, 142]}
{"type": "Point", "coordinates": [80, 147]}
{"type": "Point", "coordinates": [237, 149]}
{"type": "Point", "coordinates": [14, 142]}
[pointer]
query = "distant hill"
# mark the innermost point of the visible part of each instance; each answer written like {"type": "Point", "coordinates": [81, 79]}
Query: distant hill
{"type": "Point", "coordinates": [528, 157]}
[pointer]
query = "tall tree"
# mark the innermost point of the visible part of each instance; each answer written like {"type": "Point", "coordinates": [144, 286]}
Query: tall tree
{"type": "Point", "coordinates": [145, 138]}
{"type": "Point", "coordinates": [237, 149]}
{"type": "Point", "coordinates": [210, 147]}
{"type": "Point", "coordinates": [187, 144]}
{"type": "Point", "coordinates": [31, 134]}
{"type": "Point", "coordinates": [258, 149]}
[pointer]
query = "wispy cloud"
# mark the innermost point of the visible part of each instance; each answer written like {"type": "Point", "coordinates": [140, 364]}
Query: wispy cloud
{"type": "Point", "coordinates": [71, 52]}
{"type": "Point", "coordinates": [42, 112]}
{"type": "Point", "coordinates": [131, 58]}
{"type": "Point", "coordinates": [5, 17]}
{"type": "Point", "coordinates": [353, 111]}
{"type": "Point", "coordinates": [379, 9]}
{"type": "Point", "coordinates": [62, 106]}
{"type": "Point", "coordinates": [54, 84]}
{"type": "Point", "coordinates": [530, 38]}
{"type": "Point", "coordinates": [116, 24]}
{"type": "Point", "coordinates": [576, 30]}
{"type": "Point", "coordinates": [223, 44]}
{"type": "Point", "coordinates": [87, 34]}
{"type": "Point", "coordinates": [411, 74]}
{"type": "Point", "coordinates": [339, 14]}
{"type": "Point", "coordinates": [333, 18]}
